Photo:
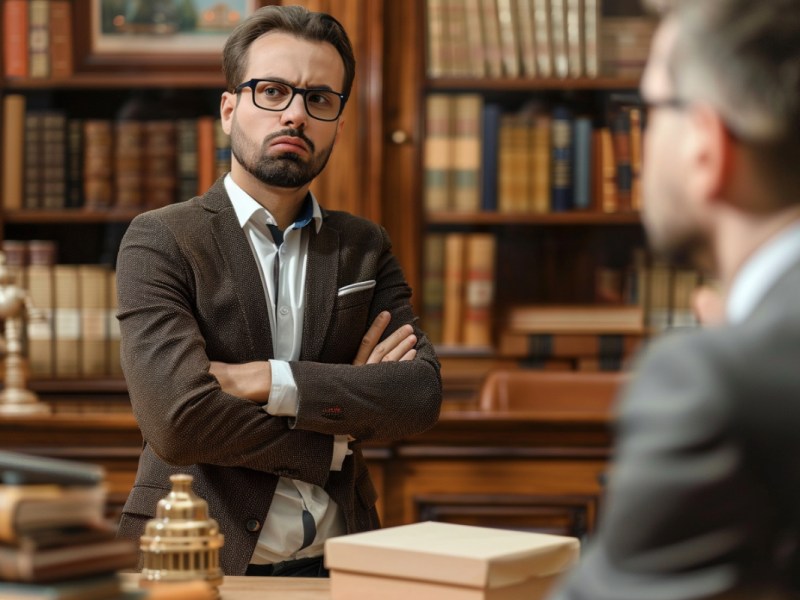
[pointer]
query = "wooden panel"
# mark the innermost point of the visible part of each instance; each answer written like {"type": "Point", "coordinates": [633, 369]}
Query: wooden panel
{"type": "Point", "coordinates": [351, 181]}
{"type": "Point", "coordinates": [402, 159]}
{"type": "Point", "coordinates": [506, 476]}
{"type": "Point", "coordinates": [558, 515]}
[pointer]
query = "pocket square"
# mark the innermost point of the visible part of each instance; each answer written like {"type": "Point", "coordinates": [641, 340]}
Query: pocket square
{"type": "Point", "coordinates": [356, 287]}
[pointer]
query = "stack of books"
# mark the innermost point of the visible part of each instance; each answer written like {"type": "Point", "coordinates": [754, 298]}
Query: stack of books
{"type": "Point", "coordinates": [54, 539]}
{"type": "Point", "coordinates": [573, 337]}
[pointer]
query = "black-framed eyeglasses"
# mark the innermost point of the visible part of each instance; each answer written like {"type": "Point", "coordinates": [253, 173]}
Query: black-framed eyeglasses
{"type": "Point", "coordinates": [321, 104]}
{"type": "Point", "coordinates": [671, 103]}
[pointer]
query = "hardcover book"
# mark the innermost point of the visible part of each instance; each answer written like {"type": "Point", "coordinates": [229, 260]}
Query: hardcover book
{"type": "Point", "coordinates": [447, 562]}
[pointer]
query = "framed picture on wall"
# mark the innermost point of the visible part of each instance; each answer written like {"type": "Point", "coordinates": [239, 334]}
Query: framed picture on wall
{"type": "Point", "coordinates": [155, 33]}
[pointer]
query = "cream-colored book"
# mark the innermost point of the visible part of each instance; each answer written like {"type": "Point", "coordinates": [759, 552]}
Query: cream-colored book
{"type": "Point", "coordinates": [445, 561]}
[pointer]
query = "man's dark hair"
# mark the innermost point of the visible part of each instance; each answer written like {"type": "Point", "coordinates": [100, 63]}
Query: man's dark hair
{"type": "Point", "coordinates": [294, 20]}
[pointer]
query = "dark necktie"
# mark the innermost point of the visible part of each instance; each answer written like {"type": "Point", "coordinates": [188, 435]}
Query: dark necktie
{"type": "Point", "coordinates": [309, 526]}
{"type": "Point", "coordinates": [309, 529]}
{"type": "Point", "coordinates": [277, 237]}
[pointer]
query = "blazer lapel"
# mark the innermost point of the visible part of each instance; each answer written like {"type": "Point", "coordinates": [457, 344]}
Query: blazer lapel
{"type": "Point", "coordinates": [245, 280]}
{"type": "Point", "coordinates": [322, 276]}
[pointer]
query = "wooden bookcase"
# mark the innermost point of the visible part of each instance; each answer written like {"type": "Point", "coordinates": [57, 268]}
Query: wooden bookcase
{"type": "Point", "coordinates": [550, 258]}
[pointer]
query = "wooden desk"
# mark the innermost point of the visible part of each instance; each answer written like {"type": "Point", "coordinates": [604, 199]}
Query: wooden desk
{"type": "Point", "coordinates": [264, 588]}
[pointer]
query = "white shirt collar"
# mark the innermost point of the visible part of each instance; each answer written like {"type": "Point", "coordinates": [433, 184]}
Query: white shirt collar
{"type": "Point", "coordinates": [761, 271]}
{"type": "Point", "coordinates": [246, 207]}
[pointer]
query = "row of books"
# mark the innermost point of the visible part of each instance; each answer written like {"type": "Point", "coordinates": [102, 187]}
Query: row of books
{"type": "Point", "coordinates": [55, 161]}
{"type": "Point", "coordinates": [644, 298]}
{"type": "Point", "coordinates": [37, 38]}
{"type": "Point", "coordinates": [72, 331]}
{"type": "Point", "coordinates": [535, 38]}
{"type": "Point", "coordinates": [478, 157]}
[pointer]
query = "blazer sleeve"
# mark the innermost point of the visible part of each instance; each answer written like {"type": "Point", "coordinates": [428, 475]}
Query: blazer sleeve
{"type": "Point", "coordinates": [680, 516]}
{"type": "Point", "coordinates": [182, 412]}
{"type": "Point", "coordinates": [388, 400]}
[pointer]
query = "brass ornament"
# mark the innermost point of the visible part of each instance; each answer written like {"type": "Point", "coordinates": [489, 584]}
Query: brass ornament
{"type": "Point", "coordinates": [181, 543]}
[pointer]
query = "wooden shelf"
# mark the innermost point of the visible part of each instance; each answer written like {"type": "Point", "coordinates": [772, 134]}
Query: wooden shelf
{"type": "Point", "coordinates": [75, 215]}
{"type": "Point", "coordinates": [121, 80]}
{"type": "Point", "coordinates": [522, 85]}
{"type": "Point", "coordinates": [561, 218]}
{"type": "Point", "coordinates": [104, 385]}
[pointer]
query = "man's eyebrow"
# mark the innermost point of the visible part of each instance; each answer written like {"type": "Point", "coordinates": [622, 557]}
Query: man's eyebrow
{"type": "Point", "coordinates": [322, 87]}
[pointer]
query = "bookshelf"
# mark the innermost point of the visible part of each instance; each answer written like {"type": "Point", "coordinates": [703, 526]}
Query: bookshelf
{"type": "Point", "coordinates": [548, 251]}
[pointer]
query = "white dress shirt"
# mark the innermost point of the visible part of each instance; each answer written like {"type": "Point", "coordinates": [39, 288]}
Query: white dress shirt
{"type": "Point", "coordinates": [282, 534]}
{"type": "Point", "coordinates": [760, 272]}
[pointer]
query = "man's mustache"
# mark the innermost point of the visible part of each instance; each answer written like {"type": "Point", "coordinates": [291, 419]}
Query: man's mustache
{"type": "Point", "coordinates": [289, 133]}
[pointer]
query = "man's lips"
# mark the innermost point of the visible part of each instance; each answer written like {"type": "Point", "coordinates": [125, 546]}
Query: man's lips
{"type": "Point", "coordinates": [289, 144]}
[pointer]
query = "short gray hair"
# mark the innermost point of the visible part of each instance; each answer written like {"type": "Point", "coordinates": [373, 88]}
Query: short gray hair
{"type": "Point", "coordinates": [743, 58]}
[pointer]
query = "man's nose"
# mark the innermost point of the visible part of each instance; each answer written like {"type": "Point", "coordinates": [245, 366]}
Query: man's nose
{"type": "Point", "coordinates": [295, 114]}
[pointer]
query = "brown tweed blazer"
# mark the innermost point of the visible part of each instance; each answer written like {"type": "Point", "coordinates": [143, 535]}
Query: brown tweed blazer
{"type": "Point", "coordinates": [190, 292]}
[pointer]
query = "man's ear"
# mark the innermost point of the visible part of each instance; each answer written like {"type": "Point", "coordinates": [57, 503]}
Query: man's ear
{"type": "Point", "coordinates": [710, 154]}
{"type": "Point", "coordinates": [227, 105]}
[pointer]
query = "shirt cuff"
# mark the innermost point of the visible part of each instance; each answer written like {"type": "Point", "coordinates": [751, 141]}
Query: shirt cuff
{"type": "Point", "coordinates": [340, 451]}
{"type": "Point", "coordinates": [283, 393]}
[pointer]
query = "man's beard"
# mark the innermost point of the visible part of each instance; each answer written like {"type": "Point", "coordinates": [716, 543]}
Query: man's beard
{"type": "Point", "coordinates": [287, 170]}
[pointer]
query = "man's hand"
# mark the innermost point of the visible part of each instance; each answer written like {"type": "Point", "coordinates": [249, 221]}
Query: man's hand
{"type": "Point", "coordinates": [397, 347]}
{"type": "Point", "coordinates": [252, 380]}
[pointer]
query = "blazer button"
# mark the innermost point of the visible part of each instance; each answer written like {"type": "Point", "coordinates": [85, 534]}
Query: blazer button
{"type": "Point", "coordinates": [253, 525]}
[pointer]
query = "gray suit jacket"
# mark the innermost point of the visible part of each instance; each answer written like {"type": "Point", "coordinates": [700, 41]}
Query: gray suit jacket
{"type": "Point", "coordinates": [704, 494]}
{"type": "Point", "coordinates": [190, 292]}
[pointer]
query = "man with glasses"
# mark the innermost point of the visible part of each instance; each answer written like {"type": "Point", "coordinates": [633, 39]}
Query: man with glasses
{"type": "Point", "coordinates": [264, 337]}
{"type": "Point", "coordinates": [704, 494]}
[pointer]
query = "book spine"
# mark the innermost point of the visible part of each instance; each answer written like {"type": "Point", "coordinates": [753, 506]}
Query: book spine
{"type": "Point", "coordinates": [94, 335]}
{"type": "Point", "coordinates": [433, 286]}
{"type": "Point", "coordinates": [479, 289]}
{"type": "Point", "coordinates": [53, 156]}
{"type": "Point", "coordinates": [13, 166]}
{"type": "Point", "coordinates": [222, 150]}
{"type": "Point", "coordinates": [491, 36]}
{"type": "Point", "coordinates": [128, 163]}
{"type": "Point", "coordinates": [98, 143]}
{"type": "Point", "coordinates": [41, 288]}
{"type": "Point", "coordinates": [509, 38]}
{"type": "Point", "coordinates": [562, 160]}
{"type": "Point", "coordinates": [60, 38]}
{"type": "Point", "coordinates": [558, 33]}
{"type": "Point", "coordinates": [74, 197]}
{"type": "Point", "coordinates": [205, 153]}
{"type": "Point", "coordinates": [438, 152]}
{"type": "Point", "coordinates": [582, 143]}
{"type": "Point", "coordinates": [187, 158]}
{"type": "Point", "coordinates": [621, 137]}
{"type": "Point", "coordinates": [544, 43]}
{"type": "Point", "coordinates": [437, 62]}
{"type": "Point", "coordinates": [34, 146]}
{"type": "Point", "coordinates": [67, 320]}
{"type": "Point", "coordinates": [160, 162]}
{"type": "Point", "coordinates": [591, 37]}
{"type": "Point", "coordinates": [575, 38]}
{"type": "Point", "coordinates": [526, 22]}
{"type": "Point", "coordinates": [489, 151]}
{"type": "Point", "coordinates": [467, 152]}
{"type": "Point", "coordinates": [15, 38]}
{"type": "Point", "coordinates": [541, 163]}
{"type": "Point", "coordinates": [453, 310]}
{"type": "Point", "coordinates": [39, 38]}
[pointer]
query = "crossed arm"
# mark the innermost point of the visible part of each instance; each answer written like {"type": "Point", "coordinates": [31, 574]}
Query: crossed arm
{"type": "Point", "coordinates": [253, 380]}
